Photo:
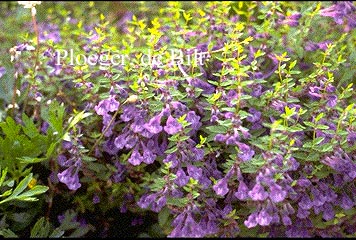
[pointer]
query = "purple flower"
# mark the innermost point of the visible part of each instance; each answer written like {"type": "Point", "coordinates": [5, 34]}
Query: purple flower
{"type": "Point", "coordinates": [194, 120]}
{"type": "Point", "coordinates": [255, 115]}
{"type": "Point", "coordinates": [96, 199]}
{"type": "Point", "coordinates": [154, 125]}
{"type": "Point", "coordinates": [302, 213]}
{"type": "Point", "coordinates": [172, 157]}
{"type": "Point", "coordinates": [198, 83]}
{"type": "Point", "coordinates": [135, 158]}
{"type": "Point", "coordinates": [311, 46]}
{"type": "Point", "coordinates": [303, 182]}
{"type": "Point", "coordinates": [292, 20]}
{"type": "Point", "coordinates": [338, 11]}
{"type": "Point", "coordinates": [220, 187]}
{"type": "Point", "coordinates": [286, 220]}
{"type": "Point", "coordinates": [146, 200]}
{"type": "Point", "coordinates": [263, 218]}
{"type": "Point", "coordinates": [2, 71]}
{"type": "Point", "coordinates": [251, 220]}
{"type": "Point", "coordinates": [120, 141]}
{"type": "Point", "coordinates": [148, 156]}
{"type": "Point", "coordinates": [131, 141]}
{"type": "Point", "coordinates": [346, 202]}
{"type": "Point", "coordinates": [70, 178]}
{"type": "Point", "coordinates": [159, 204]}
{"type": "Point", "coordinates": [246, 152]}
{"type": "Point", "coordinates": [277, 194]}
{"type": "Point", "coordinates": [257, 89]}
{"type": "Point", "coordinates": [258, 193]}
{"type": "Point", "coordinates": [328, 213]}
{"type": "Point", "coordinates": [138, 125]}
{"type": "Point", "coordinates": [182, 179]}
{"type": "Point", "coordinates": [305, 202]}
{"type": "Point", "coordinates": [331, 101]}
{"type": "Point", "coordinates": [314, 93]}
{"type": "Point", "coordinates": [351, 138]}
{"type": "Point", "coordinates": [110, 147]}
{"type": "Point", "coordinates": [242, 191]}
{"type": "Point", "coordinates": [195, 172]}
{"type": "Point", "coordinates": [44, 127]}
{"type": "Point", "coordinates": [220, 137]}
{"type": "Point", "coordinates": [172, 126]}
{"type": "Point", "coordinates": [107, 105]}
{"type": "Point", "coordinates": [129, 112]}
{"type": "Point", "coordinates": [62, 160]}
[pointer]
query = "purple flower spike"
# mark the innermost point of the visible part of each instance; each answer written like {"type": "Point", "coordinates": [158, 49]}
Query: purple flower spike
{"type": "Point", "coordinates": [172, 126]}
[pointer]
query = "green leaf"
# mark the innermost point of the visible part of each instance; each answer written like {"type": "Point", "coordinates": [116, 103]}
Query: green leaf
{"type": "Point", "coordinates": [10, 128]}
{"type": "Point", "coordinates": [163, 216]}
{"type": "Point", "coordinates": [172, 150]}
{"type": "Point", "coordinates": [179, 202]}
{"type": "Point", "coordinates": [217, 129]}
{"type": "Point", "coordinates": [7, 233]}
{"type": "Point", "coordinates": [51, 149]}
{"type": "Point", "coordinates": [6, 193]}
{"type": "Point", "coordinates": [54, 115]}
{"type": "Point", "coordinates": [321, 126]}
{"type": "Point", "coordinates": [36, 190]}
{"type": "Point", "coordinates": [22, 185]}
{"type": "Point", "coordinates": [80, 116]}
{"type": "Point", "coordinates": [57, 233]}
{"type": "Point", "coordinates": [29, 127]}
{"type": "Point", "coordinates": [318, 140]}
{"type": "Point", "coordinates": [26, 159]}
{"type": "Point", "coordinates": [40, 229]}
{"type": "Point", "coordinates": [3, 175]}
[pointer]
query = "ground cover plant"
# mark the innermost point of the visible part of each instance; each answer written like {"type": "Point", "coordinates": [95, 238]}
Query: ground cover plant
{"type": "Point", "coordinates": [177, 119]}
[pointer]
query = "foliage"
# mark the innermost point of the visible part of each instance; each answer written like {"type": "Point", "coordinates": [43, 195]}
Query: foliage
{"type": "Point", "coordinates": [178, 119]}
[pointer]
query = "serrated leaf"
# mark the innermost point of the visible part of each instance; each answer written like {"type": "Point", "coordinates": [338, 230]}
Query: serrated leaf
{"type": "Point", "coordinates": [10, 128]}
{"type": "Point", "coordinates": [29, 127]}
